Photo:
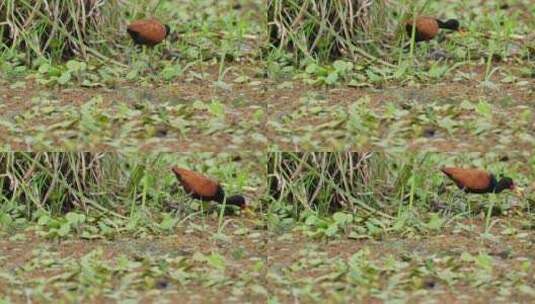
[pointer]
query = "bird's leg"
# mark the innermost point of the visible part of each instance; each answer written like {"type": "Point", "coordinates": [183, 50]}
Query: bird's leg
{"type": "Point", "coordinates": [412, 38]}
{"type": "Point", "coordinates": [145, 65]}
{"type": "Point", "coordinates": [153, 67]}
{"type": "Point", "coordinates": [133, 56]}
{"type": "Point", "coordinates": [145, 56]}
{"type": "Point", "coordinates": [150, 56]}
{"type": "Point", "coordinates": [489, 213]}
{"type": "Point", "coordinates": [177, 207]}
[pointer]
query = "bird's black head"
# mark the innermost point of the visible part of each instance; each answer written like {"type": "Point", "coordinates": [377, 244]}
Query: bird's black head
{"type": "Point", "coordinates": [503, 184]}
{"type": "Point", "coordinates": [237, 200]}
{"type": "Point", "coordinates": [452, 24]}
{"type": "Point", "coordinates": [167, 30]}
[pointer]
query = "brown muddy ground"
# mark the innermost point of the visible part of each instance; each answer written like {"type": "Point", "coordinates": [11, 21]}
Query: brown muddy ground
{"type": "Point", "coordinates": [187, 115]}
{"type": "Point", "coordinates": [171, 267]}
{"type": "Point", "coordinates": [258, 114]}
{"type": "Point", "coordinates": [443, 267]}
{"type": "Point", "coordinates": [449, 115]}
{"type": "Point", "coordinates": [457, 265]}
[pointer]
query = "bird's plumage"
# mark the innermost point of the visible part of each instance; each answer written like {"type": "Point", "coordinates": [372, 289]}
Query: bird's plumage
{"type": "Point", "coordinates": [428, 27]}
{"type": "Point", "coordinates": [204, 188]}
{"type": "Point", "coordinates": [477, 181]}
{"type": "Point", "coordinates": [196, 184]}
{"type": "Point", "coordinates": [147, 31]}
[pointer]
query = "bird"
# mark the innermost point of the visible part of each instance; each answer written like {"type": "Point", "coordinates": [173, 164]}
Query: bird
{"type": "Point", "coordinates": [204, 188]}
{"type": "Point", "coordinates": [478, 181]}
{"type": "Point", "coordinates": [427, 27]}
{"type": "Point", "coordinates": [148, 32]}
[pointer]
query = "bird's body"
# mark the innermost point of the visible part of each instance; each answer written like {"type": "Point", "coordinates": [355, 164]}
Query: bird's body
{"type": "Point", "coordinates": [203, 188]}
{"type": "Point", "coordinates": [199, 186]}
{"type": "Point", "coordinates": [428, 27]}
{"type": "Point", "coordinates": [477, 181]}
{"type": "Point", "coordinates": [148, 32]}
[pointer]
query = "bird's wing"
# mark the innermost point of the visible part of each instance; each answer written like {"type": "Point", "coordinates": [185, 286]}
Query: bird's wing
{"type": "Point", "coordinates": [150, 30]}
{"type": "Point", "coordinates": [473, 179]}
{"type": "Point", "coordinates": [427, 27]}
{"type": "Point", "coordinates": [194, 182]}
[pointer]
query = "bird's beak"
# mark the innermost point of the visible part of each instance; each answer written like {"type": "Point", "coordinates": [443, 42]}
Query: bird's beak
{"type": "Point", "coordinates": [519, 191]}
{"type": "Point", "coordinates": [248, 212]}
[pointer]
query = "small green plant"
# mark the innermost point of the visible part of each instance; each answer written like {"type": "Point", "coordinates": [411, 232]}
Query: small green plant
{"type": "Point", "coordinates": [95, 195]}
{"type": "Point", "coordinates": [327, 29]}
{"type": "Point", "coordinates": [327, 75]}
{"type": "Point", "coordinates": [73, 28]}
{"type": "Point", "coordinates": [72, 72]}
{"type": "Point", "coordinates": [335, 226]}
{"type": "Point", "coordinates": [330, 195]}
{"type": "Point", "coordinates": [61, 227]}
{"type": "Point", "coordinates": [75, 73]}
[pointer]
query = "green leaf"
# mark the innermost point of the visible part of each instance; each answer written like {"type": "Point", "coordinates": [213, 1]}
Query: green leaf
{"type": "Point", "coordinates": [132, 74]}
{"type": "Point", "coordinates": [199, 105]}
{"type": "Point", "coordinates": [484, 261]}
{"type": "Point", "coordinates": [64, 229]}
{"type": "Point", "coordinates": [241, 79]}
{"type": "Point", "coordinates": [5, 219]}
{"type": "Point", "coordinates": [312, 68]}
{"type": "Point", "coordinates": [342, 67]}
{"type": "Point", "coordinates": [168, 222]}
{"type": "Point", "coordinates": [171, 72]}
{"type": "Point", "coordinates": [75, 218]}
{"type": "Point", "coordinates": [216, 108]}
{"type": "Point", "coordinates": [43, 219]}
{"type": "Point", "coordinates": [215, 260]}
{"type": "Point", "coordinates": [342, 218]}
{"type": "Point", "coordinates": [467, 105]}
{"type": "Point", "coordinates": [332, 78]}
{"type": "Point", "coordinates": [312, 220]}
{"type": "Point", "coordinates": [331, 230]}
{"type": "Point", "coordinates": [484, 108]}
{"type": "Point", "coordinates": [447, 123]}
{"type": "Point", "coordinates": [258, 115]}
{"type": "Point", "coordinates": [437, 71]}
{"type": "Point", "coordinates": [435, 222]}
{"type": "Point", "coordinates": [44, 68]}
{"type": "Point", "coordinates": [64, 78]}
{"type": "Point", "coordinates": [466, 256]}
{"type": "Point", "coordinates": [241, 231]}
{"type": "Point", "coordinates": [73, 65]}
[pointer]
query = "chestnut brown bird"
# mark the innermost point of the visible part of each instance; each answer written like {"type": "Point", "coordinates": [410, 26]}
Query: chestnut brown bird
{"type": "Point", "coordinates": [148, 32]}
{"type": "Point", "coordinates": [203, 188]}
{"type": "Point", "coordinates": [427, 27]}
{"type": "Point", "coordinates": [478, 181]}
